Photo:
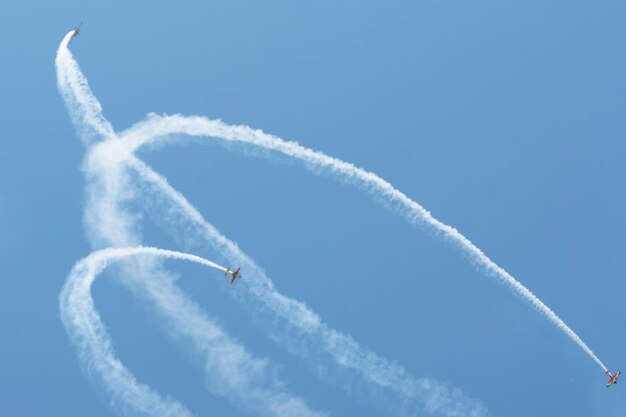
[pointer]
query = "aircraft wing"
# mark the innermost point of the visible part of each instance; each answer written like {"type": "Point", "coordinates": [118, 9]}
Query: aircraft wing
{"type": "Point", "coordinates": [613, 379]}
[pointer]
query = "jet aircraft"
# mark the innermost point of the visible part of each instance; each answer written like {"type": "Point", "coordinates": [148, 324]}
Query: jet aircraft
{"type": "Point", "coordinates": [234, 274]}
{"type": "Point", "coordinates": [612, 378]}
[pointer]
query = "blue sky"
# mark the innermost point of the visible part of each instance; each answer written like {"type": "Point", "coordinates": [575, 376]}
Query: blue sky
{"type": "Point", "coordinates": [501, 119]}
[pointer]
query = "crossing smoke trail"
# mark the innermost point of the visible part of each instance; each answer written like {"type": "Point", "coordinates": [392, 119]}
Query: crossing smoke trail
{"type": "Point", "coordinates": [89, 335]}
{"type": "Point", "coordinates": [164, 128]}
{"type": "Point", "coordinates": [231, 372]}
{"type": "Point", "coordinates": [110, 223]}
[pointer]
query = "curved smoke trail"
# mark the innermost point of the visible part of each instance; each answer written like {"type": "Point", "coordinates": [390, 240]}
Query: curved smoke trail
{"type": "Point", "coordinates": [88, 333]}
{"type": "Point", "coordinates": [165, 127]}
{"type": "Point", "coordinates": [235, 368]}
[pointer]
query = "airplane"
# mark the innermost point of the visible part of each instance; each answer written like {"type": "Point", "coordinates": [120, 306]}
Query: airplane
{"type": "Point", "coordinates": [234, 274]}
{"type": "Point", "coordinates": [612, 378]}
{"type": "Point", "coordinates": [76, 31]}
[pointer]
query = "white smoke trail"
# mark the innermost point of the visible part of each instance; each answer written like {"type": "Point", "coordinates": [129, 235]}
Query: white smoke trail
{"type": "Point", "coordinates": [84, 107]}
{"type": "Point", "coordinates": [163, 127]}
{"type": "Point", "coordinates": [251, 384]}
{"type": "Point", "coordinates": [111, 224]}
{"type": "Point", "coordinates": [89, 335]}
{"type": "Point", "coordinates": [234, 366]}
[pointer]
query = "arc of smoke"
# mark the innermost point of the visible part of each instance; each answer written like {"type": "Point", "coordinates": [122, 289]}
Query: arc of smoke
{"type": "Point", "coordinates": [86, 330]}
{"type": "Point", "coordinates": [85, 327]}
{"type": "Point", "coordinates": [157, 128]}
{"type": "Point", "coordinates": [111, 225]}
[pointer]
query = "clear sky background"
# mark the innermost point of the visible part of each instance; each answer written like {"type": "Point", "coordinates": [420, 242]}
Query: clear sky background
{"type": "Point", "coordinates": [504, 119]}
